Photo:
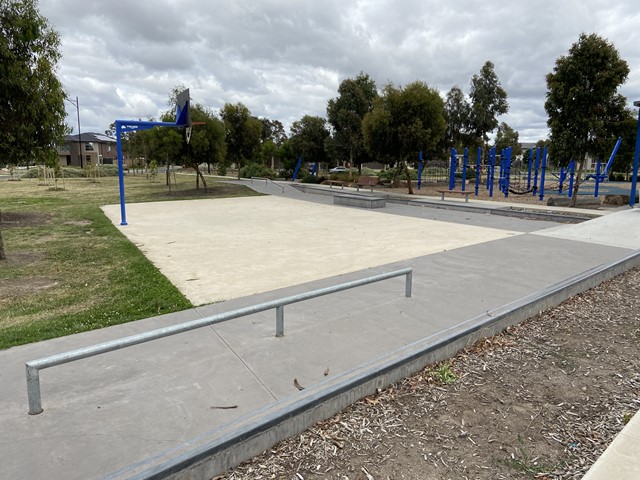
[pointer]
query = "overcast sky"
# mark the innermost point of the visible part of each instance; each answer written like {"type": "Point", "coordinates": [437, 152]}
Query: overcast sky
{"type": "Point", "coordinates": [285, 59]}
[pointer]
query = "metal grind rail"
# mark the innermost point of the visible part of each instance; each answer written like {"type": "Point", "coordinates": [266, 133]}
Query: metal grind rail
{"type": "Point", "coordinates": [33, 367]}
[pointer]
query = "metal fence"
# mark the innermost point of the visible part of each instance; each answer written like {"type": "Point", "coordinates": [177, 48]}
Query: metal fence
{"type": "Point", "coordinates": [33, 367]}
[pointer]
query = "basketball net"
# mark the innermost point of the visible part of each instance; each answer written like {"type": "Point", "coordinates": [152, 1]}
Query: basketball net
{"type": "Point", "coordinates": [188, 133]}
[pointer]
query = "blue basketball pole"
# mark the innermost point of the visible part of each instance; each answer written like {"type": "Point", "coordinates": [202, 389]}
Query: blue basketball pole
{"type": "Point", "coordinates": [123, 212]}
{"type": "Point", "coordinates": [598, 169]}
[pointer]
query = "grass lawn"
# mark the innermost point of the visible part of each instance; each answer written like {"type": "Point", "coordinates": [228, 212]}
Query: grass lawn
{"type": "Point", "coordinates": [68, 269]}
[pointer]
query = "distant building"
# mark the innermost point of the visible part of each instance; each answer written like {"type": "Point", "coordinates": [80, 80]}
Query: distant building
{"type": "Point", "coordinates": [95, 149]}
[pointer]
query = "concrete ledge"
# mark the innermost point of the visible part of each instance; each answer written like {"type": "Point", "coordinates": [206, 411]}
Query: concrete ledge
{"type": "Point", "coordinates": [359, 201]}
{"type": "Point", "coordinates": [220, 449]}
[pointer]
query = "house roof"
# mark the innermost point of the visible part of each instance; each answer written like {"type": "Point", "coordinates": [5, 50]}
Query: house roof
{"type": "Point", "coordinates": [90, 137]}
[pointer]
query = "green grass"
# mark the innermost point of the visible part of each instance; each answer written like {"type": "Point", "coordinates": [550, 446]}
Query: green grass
{"type": "Point", "coordinates": [69, 269]}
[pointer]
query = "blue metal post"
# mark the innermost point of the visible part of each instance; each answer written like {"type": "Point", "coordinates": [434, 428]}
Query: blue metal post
{"type": "Point", "coordinates": [572, 174]}
{"type": "Point", "coordinates": [598, 169]}
{"type": "Point", "coordinates": [465, 159]}
{"type": "Point", "coordinates": [420, 171]}
{"type": "Point", "coordinates": [634, 179]}
{"type": "Point", "coordinates": [478, 166]}
{"type": "Point", "coordinates": [295, 172]}
{"type": "Point", "coordinates": [507, 171]}
{"type": "Point", "coordinates": [452, 169]}
{"type": "Point", "coordinates": [563, 174]}
{"type": "Point", "coordinates": [543, 171]}
{"type": "Point", "coordinates": [536, 167]}
{"type": "Point", "coordinates": [529, 169]}
{"type": "Point", "coordinates": [123, 213]}
{"type": "Point", "coordinates": [492, 170]}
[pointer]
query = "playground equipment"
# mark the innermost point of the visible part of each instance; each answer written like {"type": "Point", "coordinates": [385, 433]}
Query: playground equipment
{"type": "Point", "coordinates": [603, 176]}
{"type": "Point", "coordinates": [183, 120]}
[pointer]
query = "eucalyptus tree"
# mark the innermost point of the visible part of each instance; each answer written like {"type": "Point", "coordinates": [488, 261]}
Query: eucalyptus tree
{"type": "Point", "coordinates": [488, 102]}
{"type": "Point", "coordinates": [403, 122]}
{"type": "Point", "coordinates": [345, 114]}
{"type": "Point", "coordinates": [583, 102]}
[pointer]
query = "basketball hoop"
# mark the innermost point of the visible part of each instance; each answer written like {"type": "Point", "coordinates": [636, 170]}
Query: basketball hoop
{"type": "Point", "coordinates": [187, 130]}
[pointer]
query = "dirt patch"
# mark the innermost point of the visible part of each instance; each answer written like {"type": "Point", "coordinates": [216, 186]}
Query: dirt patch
{"type": "Point", "coordinates": [23, 219]}
{"type": "Point", "coordinates": [21, 259]}
{"type": "Point", "coordinates": [543, 400]}
{"type": "Point", "coordinates": [218, 190]}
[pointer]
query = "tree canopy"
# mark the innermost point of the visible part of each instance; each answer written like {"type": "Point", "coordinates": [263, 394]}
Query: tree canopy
{"type": "Point", "coordinates": [308, 136]}
{"type": "Point", "coordinates": [458, 117]}
{"type": "Point", "coordinates": [31, 96]}
{"type": "Point", "coordinates": [507, 137]}
{"type": "Point", "coordinates": [403, 122]}
{"type": "Point", "coordinates": [488, 101]}
{"type": "Point", "coordinates": [583, 102]}
{"type": "Point", "coordinates": [243, 133]}
{"type": "Point", "coordinates": [345, 114]}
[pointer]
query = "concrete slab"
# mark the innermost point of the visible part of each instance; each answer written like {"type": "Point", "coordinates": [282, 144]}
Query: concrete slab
{"type": "Point", "coordinates": [619, 229]}
{"type": "Point", "coordinates": [620, 459]}
{"type": "Point", "coordinates": [103, 415]}
{"type": "Point", "coordinates": [214, 250]}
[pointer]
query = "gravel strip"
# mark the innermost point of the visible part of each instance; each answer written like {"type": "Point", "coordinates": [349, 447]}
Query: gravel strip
{"type": "Point", "coordinates": [542, 400]}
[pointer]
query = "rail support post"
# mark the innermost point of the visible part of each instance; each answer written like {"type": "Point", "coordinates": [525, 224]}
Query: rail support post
{"type": "Point", "coordinates": [408, 284]}
{"type": "Point", "coordinates": [33, 390]}
{"type": "Point", "coordinates": [280, 321]}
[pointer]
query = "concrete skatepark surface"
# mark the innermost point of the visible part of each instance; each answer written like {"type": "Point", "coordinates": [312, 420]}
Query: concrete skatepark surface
{"type": "Point", "coordinates": [267, 243]}
{"type": "Point", "coordinates": [108, 415]}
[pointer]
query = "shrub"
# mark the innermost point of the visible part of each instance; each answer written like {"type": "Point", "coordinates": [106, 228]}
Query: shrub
{"type": "Point", "coordinates": [257, 170]}
{"type": "Point", "coordinates": [470, 173]}
{"type": "Point", "coordinates": [308, 178]}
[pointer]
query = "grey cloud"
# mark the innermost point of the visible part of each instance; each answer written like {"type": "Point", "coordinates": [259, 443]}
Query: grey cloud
{"type": "Point", "coordinates": [285, 58]}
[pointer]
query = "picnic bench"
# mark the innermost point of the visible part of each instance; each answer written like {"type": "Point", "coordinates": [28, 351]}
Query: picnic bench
{"type": "Point", "coordinates": [367, 181]}
{"type": "Point", "coordinates": [466, 193]}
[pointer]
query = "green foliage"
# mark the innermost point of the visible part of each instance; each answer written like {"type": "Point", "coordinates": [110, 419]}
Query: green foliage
{"type": "Point", "coordinates": [257, 170]}
{"type": "Point", "coordinates": [308, 136]}
{"type": "Point", "coordinates": [243, 133]}
{"type": "Point", "coordinates": [308, 178]}
{"type": "Point", "coordinates": [458, 118]}
{"type": "Point", "coordinates": [404, 122]}
{"type": "Point", "coordinates": [488, 101]}
{"type": "Point", "coordinates": [345, 114]}
{"type": "Point", "coordinates": [97, 276]}
{"type": "Point", "coordinates": [442, 374]}
{"type": "Point", "coordinates": [507, 137]}
{"type": "Point", "coordinates": [31, 96]}
{"type": "Point", "coordinates": [394, 173]}
{"type": "Point", "coordinates": [76, 172]}
{"type": "Point", "coordinates": [583, 103]}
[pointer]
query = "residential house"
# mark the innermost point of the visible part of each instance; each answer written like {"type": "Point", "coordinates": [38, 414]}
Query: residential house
{"type": "Point", "coordinates": [88, 148]}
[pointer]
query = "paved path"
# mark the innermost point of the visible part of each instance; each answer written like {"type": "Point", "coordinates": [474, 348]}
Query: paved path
{"type": "Point", "coordinates": [106, 413]}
